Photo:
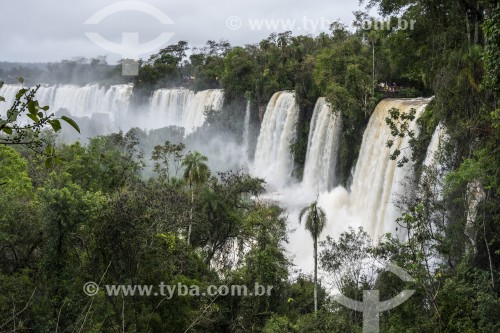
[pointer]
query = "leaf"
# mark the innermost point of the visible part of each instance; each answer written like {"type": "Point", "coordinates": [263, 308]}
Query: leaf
{"type": "Point", "coordinates": [20, 93]}
{"type": "Point", "coordinates": [71, 122]}
{"type": "Point", "coordinates": [2, 99]}
{"type": "Point", "coordinates": [1, 84]}
{"type": "Point", "coordinates": [56, 125]}
{"type": "Point", "coordinates": [31, 107]}
{"type": "Point", "coordinates": [49, 150]}
{"type": "Point", "coordinates": [20, 79]}
{"type": "Point", "coordinates": [33, 117]}
{"type": "Point", "coordinates": [12, 115]}
{"type": "Point", "coordinates": [7, 130]}
{"type": "Point", "coordinates": [50, 162]}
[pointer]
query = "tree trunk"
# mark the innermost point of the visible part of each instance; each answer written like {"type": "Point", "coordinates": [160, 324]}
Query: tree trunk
{"type": "Point", "coordinates": [315, 274]}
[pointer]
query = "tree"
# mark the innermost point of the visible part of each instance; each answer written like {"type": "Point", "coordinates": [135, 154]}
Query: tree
{"type": "Point", "coordinates": [196, 173]}
{"type": "Point", "coordinates": [164, 155]}
{"type": "Point", "coordinates": [347, 260]}
{"type": "Point", "coordinates": [17, 130]}
{"type": "Point", "coordinates": [315, 218]}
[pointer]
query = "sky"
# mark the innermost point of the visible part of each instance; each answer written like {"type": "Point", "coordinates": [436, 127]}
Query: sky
{"type": "Point", "coordinates": [53, 30]}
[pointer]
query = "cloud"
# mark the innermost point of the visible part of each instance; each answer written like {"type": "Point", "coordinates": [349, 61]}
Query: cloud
{"type": "Point", "coordinates": [51, 30]}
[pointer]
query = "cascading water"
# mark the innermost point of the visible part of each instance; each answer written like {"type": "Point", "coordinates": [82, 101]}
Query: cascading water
{"type": "Point", "coordinates": [377, 180]}
{"type": "Point", "coordinates": [83, 101]}
{"type": "Point", "coordinates": [8, 91]}
{"type": "Point", "coordinates": [177, 107]}
{"type": "Point", "coordinates": [203, 100]}
{"type": "Point", "coordinates": [322, 148]}
{"type": "Point", "coordinates": [246, 128]}
{"type": "Point", "coordinates": [273, 159]}
{"type": "Point", "coordinates": [376, 184]}
{"type": "Point", "coordinates": [434, 151]}
{"type": "Point", "coordinates": [168, 105]}
{"type": "Point", "coordinates": [433, 170]}
{"type": "Point", "coordinates": [87, 100]}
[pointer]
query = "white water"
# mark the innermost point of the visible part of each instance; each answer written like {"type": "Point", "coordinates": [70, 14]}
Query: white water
{"type": "Point", "coordinates": [203, 100]}
{"type": "Point", "coordinates": [434, 151]}
{"type": "Point", "coordinates": [273, 159]}
{"type": "Point", "coordinates": [167, 107]}
{"type": "Point", "coordinates": [377, 180]}
{"type": "Point", "coordinates": [8, 91]}
{"type": "Point", "coordinates": [322, 148]}
{"type": "Point", "coordinates": [246, 129]}
{"type": "Point", "coordinates": [86, 101]}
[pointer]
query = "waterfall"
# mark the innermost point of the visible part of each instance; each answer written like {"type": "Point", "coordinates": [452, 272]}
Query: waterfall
{"type": "Point", "coordinates": [377, 180]}
{"type": "Point", "coordinates": [168, 105]}
{"type": "Point", "coordinates": [182, 107]}
{"type": "Point", "coordinates": [80, 102]}
{"type": "Point", "coordinates": [203, 100]}
{"type": "Point", "coordinates": [87, 100]}
{"type": "Point", "coordinates": [434, 153]}
{"type": "Point", "coordinates": [433, 169]}
{"type": "Point", "coordinates": [177, 107]}
{"type": "Point", "coordinates": [246, 129]}
{"type": "Point", "coordinates": [8, 91]}
{"type": "Point", "coordinates": [322, 148]}
{"type": "Point", "coordinates": [273, 159]}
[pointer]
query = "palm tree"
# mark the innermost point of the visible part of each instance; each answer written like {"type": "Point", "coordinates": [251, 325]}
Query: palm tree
{"type": "Point", "coordinates": [196, 172]}
{"type": "Point", "coordinates": [315, 223]}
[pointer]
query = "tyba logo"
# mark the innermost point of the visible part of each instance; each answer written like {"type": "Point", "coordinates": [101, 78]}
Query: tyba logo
{"type": "Point", "coordinates": [129, 49]}
{"type": "Point", "coordinates": [372, 306]}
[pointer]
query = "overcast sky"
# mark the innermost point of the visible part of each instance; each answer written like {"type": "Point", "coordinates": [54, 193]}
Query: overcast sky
{"type": "Point", "coordinates": [51, 30]}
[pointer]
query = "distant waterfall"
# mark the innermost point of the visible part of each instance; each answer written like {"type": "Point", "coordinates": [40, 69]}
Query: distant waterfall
{"type": "Point", "coordinates": [8, 91]}
{"type": "Point", "coordinates": [322, 148]}
{"type": "Point", "coordinates": [167, 106]}
{"type": "Point", "coordinates": [194, 116]}
{"type": "Point", "coordinates": [377, 180]}
{"type": "Point", "coordinates": [88, 100]}
{"type": "Point", "coordinates": [83, 101]}
{"type": "Point", "coordinates": [181, 107]}
{"type": "Point", "coordinates": [246, 129]}
{"type": "Point", "coordinates": [273, 159]}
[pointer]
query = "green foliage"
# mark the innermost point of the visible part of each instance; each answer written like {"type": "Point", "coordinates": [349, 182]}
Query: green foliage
{"type": "Point", "coordinates": [491, 56]}
{"type": "Point", "coordinates": [14, 130]}
{"type": "Point", "coordinates": [399, 124]}
{"type": "Point", "coordinates": [196, 171]}
{"type": "Point", "coordinates": [166, 156]}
